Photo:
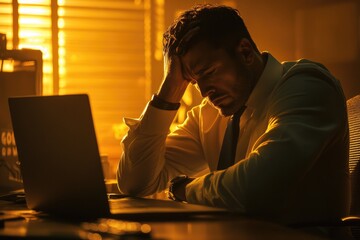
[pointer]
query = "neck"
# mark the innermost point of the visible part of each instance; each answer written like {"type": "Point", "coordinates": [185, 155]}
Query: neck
{"type": "Point", "coordinates": [258, 67]}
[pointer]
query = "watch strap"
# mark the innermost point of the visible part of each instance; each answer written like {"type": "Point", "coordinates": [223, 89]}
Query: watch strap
{"type": "Point", "coordinates": [173, 182]}
{"type": "Point", "coordinates": [162, 104]}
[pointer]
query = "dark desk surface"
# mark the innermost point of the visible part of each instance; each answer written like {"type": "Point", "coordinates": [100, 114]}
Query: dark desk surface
{"type": "Point", "coordinates": [219, 227]}
{"type": "Point", "coordinates": [240, 228]}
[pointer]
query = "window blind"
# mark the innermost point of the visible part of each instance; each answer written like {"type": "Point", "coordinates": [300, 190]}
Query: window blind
{"type": "Point", "coordinates": [103, 50]}
{"type": "Point", "coordinates": [6, 20]}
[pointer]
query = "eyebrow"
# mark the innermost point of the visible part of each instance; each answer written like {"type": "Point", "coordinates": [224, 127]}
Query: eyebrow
{"type": "Point", "coordinates": [188, 73]}
{"type": "Point", "coordinates": [202, 69]}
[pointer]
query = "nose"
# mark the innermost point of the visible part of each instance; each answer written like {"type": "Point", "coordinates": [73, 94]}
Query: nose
{"type": "Point", "coordinates": [205, 92]}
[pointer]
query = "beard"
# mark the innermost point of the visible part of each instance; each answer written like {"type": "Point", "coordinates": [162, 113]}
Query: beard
{"type": "Point", "coordinates": [240, 93]}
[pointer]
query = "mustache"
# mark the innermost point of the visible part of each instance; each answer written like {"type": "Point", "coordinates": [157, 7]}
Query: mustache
{"type": "Point", "coordinates": [214, 96]}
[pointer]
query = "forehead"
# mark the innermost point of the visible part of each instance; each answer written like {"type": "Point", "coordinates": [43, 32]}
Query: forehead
{"type": "Point", "coordinates": [198, 56]}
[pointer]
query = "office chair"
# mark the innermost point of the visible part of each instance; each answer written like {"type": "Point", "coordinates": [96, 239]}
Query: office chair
{"type": "Point", "coordinates": [353, 221]}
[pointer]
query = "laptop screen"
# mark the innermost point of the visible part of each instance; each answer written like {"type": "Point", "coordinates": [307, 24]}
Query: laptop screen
{"type": "Point", "coordinates": [58, 154]}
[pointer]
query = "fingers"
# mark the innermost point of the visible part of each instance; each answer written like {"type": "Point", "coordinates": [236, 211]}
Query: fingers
{"type": "Point", "coordinates": [173, 65]}
{"type": "Point", "coordinates": [177, 65]}
{"type": "Point", "coordinates": [182, 46]}
{"type": "Point", "coordinates": [174, 84]}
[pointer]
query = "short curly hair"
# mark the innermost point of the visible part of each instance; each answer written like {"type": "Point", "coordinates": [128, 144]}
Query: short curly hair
{"type": "Point", "coordinates": [219, 25]}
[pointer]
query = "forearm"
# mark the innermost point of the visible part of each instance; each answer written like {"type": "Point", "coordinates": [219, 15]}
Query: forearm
{"type": "Point", "coordinates": [152, 156]}
{"type": "Point", "coordinates": [171, 92]}
{"type": "Point", "coordinates": [142, 168]}
{"type": "Point", "coordinates": [143, 159]}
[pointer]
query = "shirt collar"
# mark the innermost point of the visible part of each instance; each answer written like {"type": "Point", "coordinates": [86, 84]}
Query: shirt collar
{"type": "Point", "coordinates": [270, 76]}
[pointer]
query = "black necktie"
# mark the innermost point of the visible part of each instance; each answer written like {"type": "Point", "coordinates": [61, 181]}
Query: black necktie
{"type": "Point", "coordinates": [228, 148]}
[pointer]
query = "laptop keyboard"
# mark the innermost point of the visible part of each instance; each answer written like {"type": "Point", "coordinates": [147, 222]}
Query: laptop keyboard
{"type": "Point", "coordinates": [130, 202]}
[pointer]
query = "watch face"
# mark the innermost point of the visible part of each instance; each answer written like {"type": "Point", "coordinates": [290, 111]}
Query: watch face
{"type": "Point", "coordinates": [179, 178]}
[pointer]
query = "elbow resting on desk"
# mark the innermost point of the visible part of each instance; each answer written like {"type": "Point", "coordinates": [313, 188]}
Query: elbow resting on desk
{"type": "Point", "coordinates": [137, 183]}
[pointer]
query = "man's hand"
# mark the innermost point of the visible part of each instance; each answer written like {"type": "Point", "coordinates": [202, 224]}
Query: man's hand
{"type": "Point", "coordinates": [174, 84]}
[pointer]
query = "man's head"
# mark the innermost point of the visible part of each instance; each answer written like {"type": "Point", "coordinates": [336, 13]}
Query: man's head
{"type": "Point", "coordinates": [217, 54]}
{"type": "Point", "coordinates": [220, 26]}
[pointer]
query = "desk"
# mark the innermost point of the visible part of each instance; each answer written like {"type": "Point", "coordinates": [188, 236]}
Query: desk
{"type": "Point", "coordinates": [240, 228]}
{"type": "Point", "coordinates": [219, 227]}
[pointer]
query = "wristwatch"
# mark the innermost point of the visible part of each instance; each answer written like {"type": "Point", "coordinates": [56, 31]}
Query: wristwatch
{"type": "Point", "coordinates": [173, 183]}
{"type": "Point", "coordinates": [162, 104]}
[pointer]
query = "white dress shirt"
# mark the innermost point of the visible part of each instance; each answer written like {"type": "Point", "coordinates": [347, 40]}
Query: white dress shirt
{"type": "Point", "coordinates": [294, 139]}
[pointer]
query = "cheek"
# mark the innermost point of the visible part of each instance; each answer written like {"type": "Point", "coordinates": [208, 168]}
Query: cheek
{"type": "Point", "coordinates": [232, 83]}
{"type": "Point", "coordinates": [223, 76]}
{"type": "Point", "coordinates": [243, 88]}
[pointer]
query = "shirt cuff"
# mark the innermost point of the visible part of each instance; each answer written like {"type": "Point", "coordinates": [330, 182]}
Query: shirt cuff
{"type": "Point", "coordinates": [194, 190]}
{"type": "Point", "coordinates": [156, 121]}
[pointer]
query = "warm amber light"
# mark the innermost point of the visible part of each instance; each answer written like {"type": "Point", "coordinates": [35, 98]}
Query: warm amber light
{"type": "Point", "coordinates": [61, 12]}
{"type": "Point", "coordinates": [102, 51]}
{"type": "Point", "coordinates": [119, 130]}
{"type": "Point", "coordinates": [62, 51]}
{"type": "Point", "coordinates": [35, 2]}
{"type": "Point", "coordinates": [61, 23]}
{"type": "Point", "coordinates": [35, 33]}
{"type": "Point", "coordinates": [159, 28]}
{"type": "Point", "coordinates": [34, 10]}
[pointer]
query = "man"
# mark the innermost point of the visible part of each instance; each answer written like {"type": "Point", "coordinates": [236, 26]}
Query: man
{"type": "Point", "coordinates": [292, 150]}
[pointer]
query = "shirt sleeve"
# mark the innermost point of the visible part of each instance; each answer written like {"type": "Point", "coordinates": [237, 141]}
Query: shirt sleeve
{"type": "Point", "coordinates": [305, 114]}
{"type": "Point", "coordinates": [151, 155]}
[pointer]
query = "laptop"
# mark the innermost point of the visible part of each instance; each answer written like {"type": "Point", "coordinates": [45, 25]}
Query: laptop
{"type": "Point", "coordinates": [61, 166]}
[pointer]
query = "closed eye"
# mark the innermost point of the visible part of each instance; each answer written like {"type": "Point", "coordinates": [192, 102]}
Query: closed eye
{"type": "Point", "coordinates": [209, 71]}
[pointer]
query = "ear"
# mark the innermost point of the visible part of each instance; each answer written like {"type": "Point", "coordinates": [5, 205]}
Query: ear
{"type": "Point", "coordinates": [245, 51]}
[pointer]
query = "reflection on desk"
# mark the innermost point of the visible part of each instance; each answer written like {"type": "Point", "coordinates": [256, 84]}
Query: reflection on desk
{"type": "Point", "coordinates": [229, 229]}
{"type": "Point", "coordinates": [239, 228]}
{"type": "Point", "coordinates": [20, 223]}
